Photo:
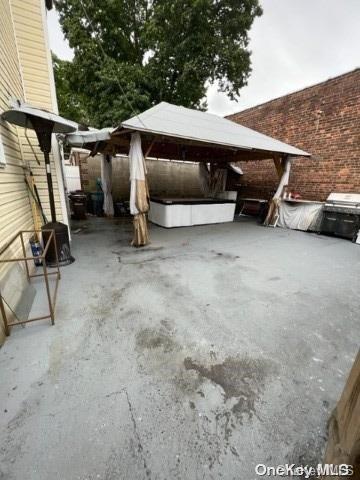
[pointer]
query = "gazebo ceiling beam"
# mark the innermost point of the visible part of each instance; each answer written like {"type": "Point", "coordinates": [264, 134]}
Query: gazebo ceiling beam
{"type": "Point", "coordinates": [173, 148]}
{"type": "Point", "coordinates": [195, 153]}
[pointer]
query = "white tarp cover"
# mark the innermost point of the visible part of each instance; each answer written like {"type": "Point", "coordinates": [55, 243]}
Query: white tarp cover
{"type": "Point", "coordinates": [81, 138]}
{"type": "Point", "coordinates": [106, 175]}
{"type": "Point", "coordinates": [137, 169]}
{"type": "Point", "coordinates": [181, 122]}
{"type": "Point", "coordinates": [299, 215]}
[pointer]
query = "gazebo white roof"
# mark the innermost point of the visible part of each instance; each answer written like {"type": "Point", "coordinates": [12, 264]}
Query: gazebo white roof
{"type": "Point", "coordinates": [184, 123]}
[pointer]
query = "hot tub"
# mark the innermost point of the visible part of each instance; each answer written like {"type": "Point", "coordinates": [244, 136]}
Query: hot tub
{"type": "Point", "coordinates": [185, 212]}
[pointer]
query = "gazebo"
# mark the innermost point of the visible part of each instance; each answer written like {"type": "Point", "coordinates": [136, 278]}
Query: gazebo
{"type": "Point", "coordinates": [177, 133]}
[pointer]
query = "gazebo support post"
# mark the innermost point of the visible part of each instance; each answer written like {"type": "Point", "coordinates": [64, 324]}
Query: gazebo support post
{"type": "Point", "coordinates": [282, 166]}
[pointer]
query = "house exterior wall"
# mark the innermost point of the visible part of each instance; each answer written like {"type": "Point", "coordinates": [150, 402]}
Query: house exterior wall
{"type": "Point", "coordinates": [166, 178]}
{"type": "Point", "coordinates": [25, 74]}
{"type": "Point", "coordinates": [324, 120]}
{"type": "Point", "coordinates": [37, 74]}
{"type": "Point", "coordinates": [15, 212]}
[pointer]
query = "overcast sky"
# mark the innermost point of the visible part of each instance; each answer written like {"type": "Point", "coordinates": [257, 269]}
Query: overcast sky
{"type": "Point", "coordinates": [295, 43]}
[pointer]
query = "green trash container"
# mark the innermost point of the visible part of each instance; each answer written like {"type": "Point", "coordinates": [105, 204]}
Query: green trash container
{"type": "Point", "coordinates": [97, 199]}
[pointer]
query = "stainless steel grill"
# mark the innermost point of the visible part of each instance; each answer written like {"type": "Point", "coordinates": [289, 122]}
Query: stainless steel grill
{"type": "Point", "coordinates": [341, 215]}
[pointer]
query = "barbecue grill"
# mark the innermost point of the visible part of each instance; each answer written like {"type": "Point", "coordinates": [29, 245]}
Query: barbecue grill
{"type": "Point", "coordinates": [341, 215]}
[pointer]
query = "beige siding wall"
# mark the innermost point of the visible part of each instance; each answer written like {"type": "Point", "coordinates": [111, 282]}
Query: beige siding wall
{"type": "Point", "coordinates": [25, 74]}
{"type": "Point", "coordinates": [15, 212]}
{"type": "Point", "coordinates": [37, 78]}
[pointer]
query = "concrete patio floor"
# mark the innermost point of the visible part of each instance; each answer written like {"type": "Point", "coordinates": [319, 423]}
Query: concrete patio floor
{"type": "Point", "coordinates": [212, 350]}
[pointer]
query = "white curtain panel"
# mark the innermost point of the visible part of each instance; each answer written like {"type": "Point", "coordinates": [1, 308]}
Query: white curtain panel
{"type": "Point", "coordinates": [137, 169]}
{"type": "Point", "coordinates": [204, 176]}
{"type": "Point", "coordinates": [106, 176]}
{"type": "Point", "coordinates": [212, 182]}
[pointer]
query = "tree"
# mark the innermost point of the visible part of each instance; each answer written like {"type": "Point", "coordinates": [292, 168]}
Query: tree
{"type": "Point", "coordinates": [130, 55]}
{"type": "Point", "coordinates": [71, 103]}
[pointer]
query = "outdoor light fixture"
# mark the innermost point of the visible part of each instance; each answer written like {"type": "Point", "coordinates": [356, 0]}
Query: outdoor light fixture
{"type": "Point", "coordinates": [44, 124]}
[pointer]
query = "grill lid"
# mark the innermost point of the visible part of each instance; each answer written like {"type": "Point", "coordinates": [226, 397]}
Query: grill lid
{"type": "Point", "coordinates": [344, 199]}
{"type": "Point", "coordinates": [343, 203]}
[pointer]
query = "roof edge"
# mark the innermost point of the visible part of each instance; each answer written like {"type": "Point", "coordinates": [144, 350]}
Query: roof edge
{"type": "Point", "coordinates": [300, 153]}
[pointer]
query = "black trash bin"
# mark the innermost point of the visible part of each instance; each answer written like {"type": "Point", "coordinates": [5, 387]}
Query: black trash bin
{"type": "Point", "coordinates": [62, 244]}
{"type": "Point", "coordinates": [78, 201]}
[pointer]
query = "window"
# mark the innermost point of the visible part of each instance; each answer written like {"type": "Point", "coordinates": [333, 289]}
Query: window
{"type": "Point", "coordinates": [2, 154]}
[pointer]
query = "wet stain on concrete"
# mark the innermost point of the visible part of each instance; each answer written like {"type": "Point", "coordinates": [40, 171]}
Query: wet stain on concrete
{"type": "Point", "coordinates": [225, 255]}
{"type": "Point", "coordinates": [151, 249]}
{"type": "Point", "coordinates": [104, 306]}
{"type": "Point", "coordinates": [13, 444]}
{"type": "Point", "coordinates": [127, 257]}
{"type": "Point", "coordinates": [241, 382]}
{"type": "Point", "coordinates": [55, 359]}
{"type": "Point", "coordinates": [135, 257]}
{"type": "Point", "coordinates": [242, 379]}
{"type": "Point", "coordinates": [309, 452]}
{"type": "Point", "coordinates": [166, 324]}
{"type": "Point", "coordinates": [27, 409]}
{"type": "Point", "coordinates": [212, 354]}
{"type": "Point", "coordinates": [153, 338]}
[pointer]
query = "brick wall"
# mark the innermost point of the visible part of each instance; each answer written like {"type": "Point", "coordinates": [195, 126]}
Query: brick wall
{"type": "Point", "coordinates": [175, 179]}
{"type": "Point", "coordinates": [324, 120]}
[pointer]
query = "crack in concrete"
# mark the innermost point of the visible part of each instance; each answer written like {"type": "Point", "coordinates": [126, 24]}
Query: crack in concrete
{"type": "Point", "coordinates": [140, 447]}
{"type": "Point", "coordinates": [117, 392]}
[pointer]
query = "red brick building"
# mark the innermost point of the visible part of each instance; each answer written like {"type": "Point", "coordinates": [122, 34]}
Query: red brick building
{"type": "Point", "coordinates": [324, 120]}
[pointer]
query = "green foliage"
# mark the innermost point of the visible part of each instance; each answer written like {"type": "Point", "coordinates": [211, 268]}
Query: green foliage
{"type": "Point", "coordinates": [71, 104]}
{"type": "Point", "coordinates": [130, 55]}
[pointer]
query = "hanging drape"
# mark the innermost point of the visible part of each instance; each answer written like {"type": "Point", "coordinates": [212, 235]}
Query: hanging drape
{"type": "Point", "coordinates": [273, 212]}
{"type": "Point", "coordinates": [212, 181]}
{"type": "Point", "coordinates": [204, 178]}
{"type": "Point", "coordinates": [106, 177]}
{"type": "Point", "coordinates": [139, 193]}
{"type": "Point", "coordinates": [217, 181]}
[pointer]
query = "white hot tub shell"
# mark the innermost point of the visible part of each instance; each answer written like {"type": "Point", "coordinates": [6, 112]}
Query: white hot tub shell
{"type": "Point", "coordinates": [187, 212]}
